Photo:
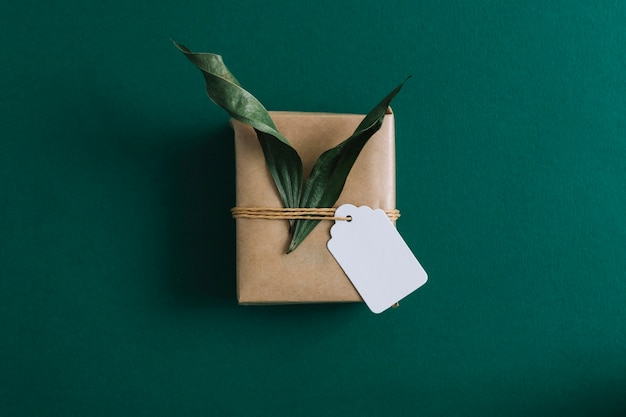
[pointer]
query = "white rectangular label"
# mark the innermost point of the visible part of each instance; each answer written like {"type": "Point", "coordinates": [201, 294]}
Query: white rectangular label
{"type": "Point", "coordinates": [374, 256]}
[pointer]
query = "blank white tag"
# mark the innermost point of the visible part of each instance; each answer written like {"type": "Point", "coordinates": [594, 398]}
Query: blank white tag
{"type": "Point", "coordinates": [374, 256]}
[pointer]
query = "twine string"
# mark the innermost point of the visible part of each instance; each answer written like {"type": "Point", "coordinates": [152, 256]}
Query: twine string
{"type": "Point", "coordinates": [275, 213]}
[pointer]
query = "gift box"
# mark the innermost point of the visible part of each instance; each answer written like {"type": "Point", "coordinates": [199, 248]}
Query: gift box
{"type": "Point", "coordinates": [266, 273]}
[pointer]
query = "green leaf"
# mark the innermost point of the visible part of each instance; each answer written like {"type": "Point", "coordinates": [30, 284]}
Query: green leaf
{"type": "Point", "coordinates": [285, 166]}
{"type": "Point", "coordinates": [329, 173]}
{"type": "Point", "coordinates": [282, 160]}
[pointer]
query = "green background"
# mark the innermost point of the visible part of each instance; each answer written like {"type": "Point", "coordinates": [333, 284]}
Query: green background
{"type": "Point", "coordinates": [117, 282]}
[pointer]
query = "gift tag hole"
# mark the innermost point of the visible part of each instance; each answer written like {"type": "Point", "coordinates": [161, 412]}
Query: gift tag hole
{"type": "Point", "coordinates": [348, 218]}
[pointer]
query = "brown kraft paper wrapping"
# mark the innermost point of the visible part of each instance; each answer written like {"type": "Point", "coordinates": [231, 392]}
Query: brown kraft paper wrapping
{"type": "Point", "coordinates": [266, 274]}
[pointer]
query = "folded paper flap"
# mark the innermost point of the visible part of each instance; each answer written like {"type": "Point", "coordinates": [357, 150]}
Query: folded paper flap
{"type": "Point", "coordinates": [266, 274]}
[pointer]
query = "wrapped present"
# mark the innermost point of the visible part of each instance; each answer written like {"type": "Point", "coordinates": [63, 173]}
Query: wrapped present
{"type": "Point", "coordinates": [287, 260]}
{"type": "Point", "coordinates": [266, 273]}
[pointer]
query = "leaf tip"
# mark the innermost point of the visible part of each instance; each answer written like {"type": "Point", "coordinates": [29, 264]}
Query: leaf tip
{"type": "Point", "coordinates": [291, 248]}
{"type": "Point", "coordinates": [295, 242]}
{"type": "Point", "coordinates": [180, 47]}
{"type": "Point", "coordinates": [408, 77]}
